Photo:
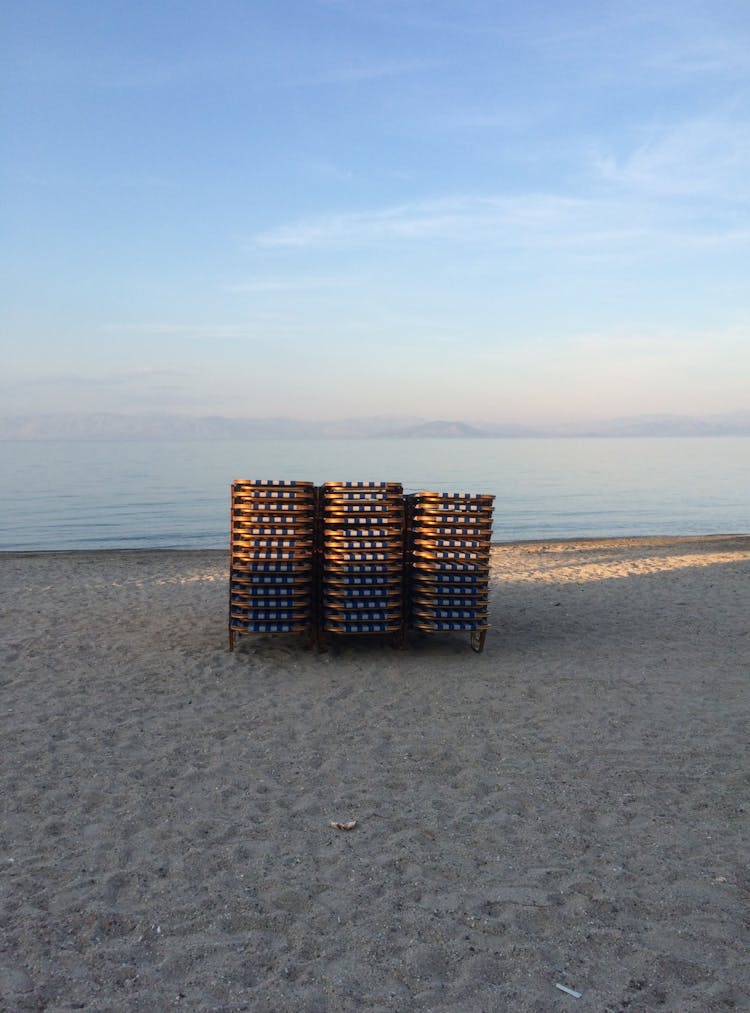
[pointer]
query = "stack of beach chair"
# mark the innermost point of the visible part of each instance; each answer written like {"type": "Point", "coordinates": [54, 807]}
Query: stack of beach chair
{"type": "Point", "coordinates": [272, 549]}
{"type": "Point", "coordinates": [449, 563]}
{"type": "Point", "coordinates": [362, 541]}
{"type": "Point", "coordinates": [357, 558]}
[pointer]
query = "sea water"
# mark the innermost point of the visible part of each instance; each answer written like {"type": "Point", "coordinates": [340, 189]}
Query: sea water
{"type": "Point", "coordinates": [91, 495]}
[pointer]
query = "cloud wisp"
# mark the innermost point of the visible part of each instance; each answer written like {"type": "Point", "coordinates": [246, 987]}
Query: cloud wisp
{"type": "Point", "coordinates": [183, 331]}
{"type": "Point", "coordinates": [138, 376]}
{"type": "Point", "coordinates": [458, 218]}
{"type": "Point", "coordinates": [516, 221]}
{"type": "Point", "coordinates": [363, 72]}
{"type": "Point", "coordinates": [262, 286]}
{"type": "Point", "coordinates": [707, 157]}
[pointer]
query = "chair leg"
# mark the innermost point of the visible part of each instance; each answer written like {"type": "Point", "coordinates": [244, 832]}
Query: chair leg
{"type": "Point", "coordinates": [477, 641]}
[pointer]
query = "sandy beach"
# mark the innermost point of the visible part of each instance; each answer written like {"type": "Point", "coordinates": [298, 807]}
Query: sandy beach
{"type": "Point", "coordinates": [568, 808]}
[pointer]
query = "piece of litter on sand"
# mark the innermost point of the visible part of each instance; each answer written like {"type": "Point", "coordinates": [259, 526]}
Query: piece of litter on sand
{"type": "Point", "coordinates": [570, 991]}
{"type": "Point", "coordinates": [343, 826]}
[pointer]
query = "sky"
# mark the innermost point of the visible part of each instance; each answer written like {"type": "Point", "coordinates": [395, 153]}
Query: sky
{"type": "Point", "coordinates": [490, 210]}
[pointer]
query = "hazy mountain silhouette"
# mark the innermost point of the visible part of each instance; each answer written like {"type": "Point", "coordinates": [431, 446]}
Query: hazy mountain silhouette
{"type": "Point", "coordinates": [111, 426]}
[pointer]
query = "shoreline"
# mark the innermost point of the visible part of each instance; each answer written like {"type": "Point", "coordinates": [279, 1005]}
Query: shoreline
{"type": "Point", "coordinates": [512, 543]}
{"type": "Point", "coordinates": [568, 807]}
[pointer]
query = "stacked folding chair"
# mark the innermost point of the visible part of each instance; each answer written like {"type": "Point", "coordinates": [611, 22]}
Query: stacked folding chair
{"type": "Point", "coordinates": [271, 578]}
{"type": "Point", "coordinates": [362, 541]}
{"type": "Point", "coordinates": [449, 544]}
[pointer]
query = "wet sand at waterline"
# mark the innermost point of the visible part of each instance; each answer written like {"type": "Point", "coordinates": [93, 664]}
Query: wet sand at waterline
{"type": "Point", "coordinates": [569, 807]}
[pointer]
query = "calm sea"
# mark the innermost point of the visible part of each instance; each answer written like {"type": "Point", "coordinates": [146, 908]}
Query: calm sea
{"type": "Point", "coordinates": [65, 495]}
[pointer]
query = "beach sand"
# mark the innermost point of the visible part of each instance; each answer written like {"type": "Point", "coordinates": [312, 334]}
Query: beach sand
{"type": "Point", "coordinates": [570, 806]}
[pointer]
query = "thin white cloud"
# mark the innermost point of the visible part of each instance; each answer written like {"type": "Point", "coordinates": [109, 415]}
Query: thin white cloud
{"type": "Point", "coordinates": [137, 376]}
{"type": "Point", "coordinates": [183, 330]}
{"type": "Point", "coordinates": [259, 286]}
{"type": "Point", "coordinates": [360, 72]}
{"type": "Point", "coordinates": [517, 222]}
{"type": "Point", "coordinates": [325, 169]}
{"type": "Point", "coordinates": [702, 157]}
{"type": "Point", "coordinates": [718, 56]}
{"type": "Point", "coordinates": [462, 217]}
{"type": "Point", "coordinates": [480, 117]}
{"type": "Point", "coordinates": [695, 43]}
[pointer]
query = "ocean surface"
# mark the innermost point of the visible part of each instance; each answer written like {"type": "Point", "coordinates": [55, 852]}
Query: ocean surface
{"type": "Point", "coordinates": [100, 495]}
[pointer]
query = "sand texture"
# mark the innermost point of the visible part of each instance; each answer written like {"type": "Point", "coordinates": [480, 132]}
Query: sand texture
{"type": "Point", "coordinates": [569, 807]}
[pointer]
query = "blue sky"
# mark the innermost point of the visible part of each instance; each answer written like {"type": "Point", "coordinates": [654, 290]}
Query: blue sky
{"type": "Point", "coordinates": [496, 210]}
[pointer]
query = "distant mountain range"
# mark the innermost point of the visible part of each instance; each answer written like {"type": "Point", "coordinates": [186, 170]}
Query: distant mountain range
{"type": "Point", "coordinates": [110, 426]}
